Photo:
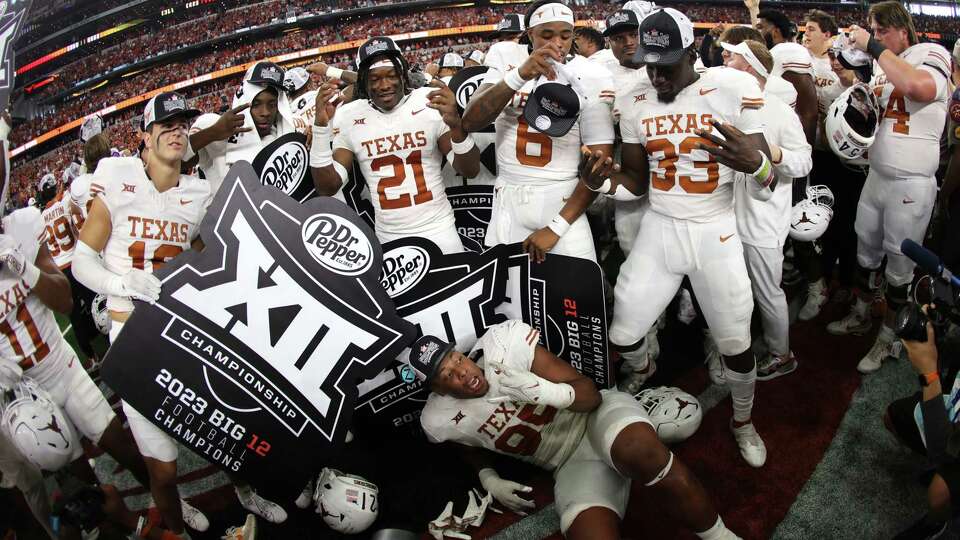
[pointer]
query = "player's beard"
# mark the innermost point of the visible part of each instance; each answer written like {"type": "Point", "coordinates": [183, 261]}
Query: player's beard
{"type": "Point", "coordinates": [769, 40]}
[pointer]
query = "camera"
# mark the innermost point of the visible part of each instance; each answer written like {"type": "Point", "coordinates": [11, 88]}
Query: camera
{"type": "Point", "coordinates": [911, 322]}
{"type": "Point", "coordinates": [81, 507]}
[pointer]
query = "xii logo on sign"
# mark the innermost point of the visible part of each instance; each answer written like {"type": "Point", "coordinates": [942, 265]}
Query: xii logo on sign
{"type": "Point", "coordinates": [276, 307]}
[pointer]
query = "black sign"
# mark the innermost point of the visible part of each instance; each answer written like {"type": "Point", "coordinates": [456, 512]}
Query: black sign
{"type": "Point", "coordinates": [465, 83]}
{"type": "Point", "coordinates": [284, 164]}
{"type": "Point", "coordinates": [472, 206]}
{"type": "Point", "coordinates": [12, 13]}
{"type": "Point", "coordinates": [252, 354]}
{"type": "Point", "coordinates": [457, 296]}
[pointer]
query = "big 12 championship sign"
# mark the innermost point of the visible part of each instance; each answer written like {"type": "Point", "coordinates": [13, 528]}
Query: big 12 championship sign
{"type": "Point", "coordinates": [457, 296]}
{"type": "Point", "coordinates": [252, 354]}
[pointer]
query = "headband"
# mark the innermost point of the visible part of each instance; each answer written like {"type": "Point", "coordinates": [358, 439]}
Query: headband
{"type": "Point", "coordinates": [553, 12]}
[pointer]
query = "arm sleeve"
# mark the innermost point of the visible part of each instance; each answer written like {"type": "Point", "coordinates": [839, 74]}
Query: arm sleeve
{"type": "Point", "coordinates": [630, 131]}
{"type": "Point", "coordinates": [797, 159]}
{"type": "Point", "coordinates": [498, 68]}
{"type": "Point", "coordinates": [750, 117]}
{"type": "Point", "coordinates": [596, 124]}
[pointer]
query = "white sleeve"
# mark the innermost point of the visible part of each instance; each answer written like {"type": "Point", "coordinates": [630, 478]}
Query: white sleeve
{"type": "Point", "coordinates": [795, 59]}
{"type": "Point", "coordinates": [497, 67]}
{"type": "Point", "coordinates": [596, 124]}
{"type": "Point", "coordinates": [520, 341]}
{"type": "Point", "coordinates": [105, 183]}
{"type": "Point", "coordinates": [936, 64]}
{"type": "Point", "coordinates": [750, 118]}
{"type": "Point", "coordinates": [341, 137]}
{"type": "Point", "coordinates": [797, 160]}
{"type": "Point", "coordinates": [754, 189]}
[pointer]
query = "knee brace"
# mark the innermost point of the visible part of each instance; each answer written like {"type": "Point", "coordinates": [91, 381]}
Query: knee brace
{"type": "Point", "coordinates": [897, 296]}
{"type": "Point", "coordinates": [663, 472]}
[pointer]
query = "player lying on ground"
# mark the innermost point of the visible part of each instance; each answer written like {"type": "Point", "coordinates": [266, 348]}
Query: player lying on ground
{"type": "Point", "coordinates": [511, 396]}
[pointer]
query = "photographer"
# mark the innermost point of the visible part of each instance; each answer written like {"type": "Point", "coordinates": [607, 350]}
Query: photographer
{"type": "Point", "coordinates": [926, 422]}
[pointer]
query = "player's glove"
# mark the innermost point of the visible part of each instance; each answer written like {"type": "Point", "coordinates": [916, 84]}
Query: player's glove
{"type": "Point", "coordinates": [526, 387]}
{"type": "Point", "coordinates": [12, 258]}
{"type": "Point", "coordinates": [505, 491]}
{"type": "Point", "coordinates": [137, 284]}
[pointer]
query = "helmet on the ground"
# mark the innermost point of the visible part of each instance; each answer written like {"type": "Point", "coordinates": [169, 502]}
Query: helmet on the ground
{"type": "Point", "coordinates": [675, 414]}
{"type": "Point", "coordinates": [348, 504]}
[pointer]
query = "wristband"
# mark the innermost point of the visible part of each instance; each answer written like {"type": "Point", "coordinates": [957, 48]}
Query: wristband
{"type": "Point", "coordinates": [31, 274]}
{"type": "Point", "coordinates": [334, 72]}
{"type": "Point", "coordinates": [321, 154]}
{"type": "Point", "coordinates": [463, 146]}
{"type": "Point", "coordinates": [514, 80]}
{"type": "Point", "coordinates": [875, 48]}
{"type": "Point", "coordinates": [764, 175]}
{"type": "Point", "coordinates": [604, 187]}
{"type": "Point", "coordinates": [559, 225]}
{"type": "Point", "coordinates": [927, 379]}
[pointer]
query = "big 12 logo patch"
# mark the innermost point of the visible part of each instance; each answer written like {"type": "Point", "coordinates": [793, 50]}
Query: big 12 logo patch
{"type": "Point", "coordinates": [252, 354]}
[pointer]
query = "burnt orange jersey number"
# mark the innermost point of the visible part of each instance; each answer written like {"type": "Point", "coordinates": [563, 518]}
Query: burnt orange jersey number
{"type": "Point", "coordinates": [668, 164]}
{"type": "Point", "coordinates": [415, 160]}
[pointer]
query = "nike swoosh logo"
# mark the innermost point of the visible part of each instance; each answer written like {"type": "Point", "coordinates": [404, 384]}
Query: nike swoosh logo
{"type": "Point", "coordinates": [185, 202]}
{"type": "Point", "coordinates": [727, 237]}
{"type": "Point", "coordinates": [565, 199]}
{"type": "Point", "coordinates": [418, 112]}
{"type": "Point", "coordinates": [705, 91]}
{"type": "Point", "coordinates": [908, 201]}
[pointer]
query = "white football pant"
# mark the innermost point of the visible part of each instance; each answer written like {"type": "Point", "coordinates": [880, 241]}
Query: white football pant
{"type": "Point", "coordinates": [765, 267]}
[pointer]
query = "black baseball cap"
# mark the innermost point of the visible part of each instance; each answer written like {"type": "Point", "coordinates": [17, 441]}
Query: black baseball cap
{"type": "Point", "coordinates": [426, 354]}
{"type": "Point", "coordinates": [377, 46]}
{"type": "Point", "coordinates": [512, 23]}
{"type": "Point", "coordinates": [166, 105]}
{"type": "Point", "coordinates": [552, 108]}
{"type": "Point", "coordinates": [266, 74]}
{"type": "Point", "coordinates": [620, 20]}
{"type": "Point", "coordinates": [665, 36]}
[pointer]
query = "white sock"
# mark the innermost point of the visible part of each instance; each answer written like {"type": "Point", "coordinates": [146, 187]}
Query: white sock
{"type": "Point", "coordinates": [741, 391]}
{"type": "Point", "coordinates": [637, 360]}
{"type": "Point", "coordinates": [719, 531]}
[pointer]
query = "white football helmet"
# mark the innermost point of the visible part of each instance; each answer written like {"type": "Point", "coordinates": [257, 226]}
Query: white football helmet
{"type": "Point", "coordinates": [675, 414]}
{"type": "Point", "coordinates": [851, 123]}
{"type": "Point", "coordinates": [38, 427]}
{"type": "Point", "coordinates": [348, 504]}
{"type": "Point", "coordinates": [101, 317]}
{"type": "Point", "coordinates": [811, 216]}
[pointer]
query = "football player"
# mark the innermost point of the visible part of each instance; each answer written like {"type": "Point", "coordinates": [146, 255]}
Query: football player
{"type": "Point", "coordinates": [130, 202]}
{"type": "Point", "coordinates": [763, 225]}
{"type": "Point", "coordinates": [537, 198]}
{"type": "Point", "coordinates": [510, 28]}
{"type": "Point", "coordinates": [671, 150]}
{"type": "Point", "coordinates": [911, 79]}
{"type": "Point", "coordinates": [399, 137]}
{"type": "Point", "coordinates": [475, 58]}
{"type": "Point", "coordinates": [513, 397]}
{"type": "Point", "coordinates": [840, 240]}
{"type": "Point", "coordinates": [61, 232]}
{"type": "Point", "coordinates": [302, 94]}
{"type": "Point", "coordinates": [791, 61]}
{"type": "Point", "coordinates": [450, 64]}
{"type": "Point", "coordinates": [590, 45]}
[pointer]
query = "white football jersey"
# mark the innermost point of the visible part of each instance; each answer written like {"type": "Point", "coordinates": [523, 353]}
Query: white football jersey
{"type": "Point", "coordinates": [908, 139]}
{"type": "Point", "coordinates": [304, 108]}
{"type": "Point", "coordinates": [687, 183]}
{"type": "Point", "coordinates": [28, 330]}
{"type": "Point", "coordinates": [604, 58]}
{"type": "Point", "coordinates": [537, 434]}
{"type": "Point", "coordinates": [400, 158]}
{"type": "Point", "coordinates": [212, 159]}
{"type": "Point", "coordinates": [625, 81]}
{"type": "Point", "coordinates": [148, 228]}
{"type": "Point", "coordinates": [60, 233]}
{"type": "Point", "coordinates": [528, 156]}
{"type": "Point", "coordinates": [80, 196]}
{"type": "Point", "coordinates": [791, 57]}
{"type": "Point", "coordinates": [778, 86]}
{"type": "Point", "coordinates": [828, 89]}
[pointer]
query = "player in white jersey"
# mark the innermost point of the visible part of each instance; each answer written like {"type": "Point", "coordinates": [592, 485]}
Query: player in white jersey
{"type": "Point", "coordinates": [398, 136]}
{"type": "Point", "coordinates": [261, 113]}
{"type": "Point", "coordinates": [790, 61]}
{"type": "Point", "coordinates": [513, 397]}
{"type": "Point", "coordinates": [590, 45]}
{"type": "Point", "coordinates": [143, 218]}
{"type": "Point", "coordinates": [302, 95]}
{"type": "Point", "coordinates": [763, 224]}
{"type": "Point", "coordinates": [912, 81]}
{"type": "Point", "coordinates": [690, 229]}
{"type": "Point", "coordinates": [537, 198]}
{"type": "Point", "coordinates": [839, 242]}
{"type": "Point", "coordinates": [31, 345]}
{"type": "Point", "coordinates": [96, 148]}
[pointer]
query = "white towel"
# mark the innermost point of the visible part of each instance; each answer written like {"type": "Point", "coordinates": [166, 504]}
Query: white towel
{"type": "Point", "coordinates": [245, 146]}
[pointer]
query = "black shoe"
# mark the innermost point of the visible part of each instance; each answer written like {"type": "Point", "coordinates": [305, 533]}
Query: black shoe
{"type": "Point", "coordinates": [924, 529]}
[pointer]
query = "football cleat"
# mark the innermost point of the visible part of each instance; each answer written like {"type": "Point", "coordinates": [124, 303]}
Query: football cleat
{"type": "Point", "coordinates": [193, 518]}
{"type": "Point", "coordinates": [247, 532]}
{"type": "Point", "coordinates": [883, 348]}
{"type": "Point", "coordinates": [752, 449]}
{"type": "Point", "coordinates": [268, 510]}
{"type": "Point", "coordinates": [816, 298]}
{"type": "Point", "coordinates": [858, 321]}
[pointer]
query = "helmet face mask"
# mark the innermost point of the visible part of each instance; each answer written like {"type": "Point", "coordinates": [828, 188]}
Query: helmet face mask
{"type": "Point", "coordinates": [810, 217]}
